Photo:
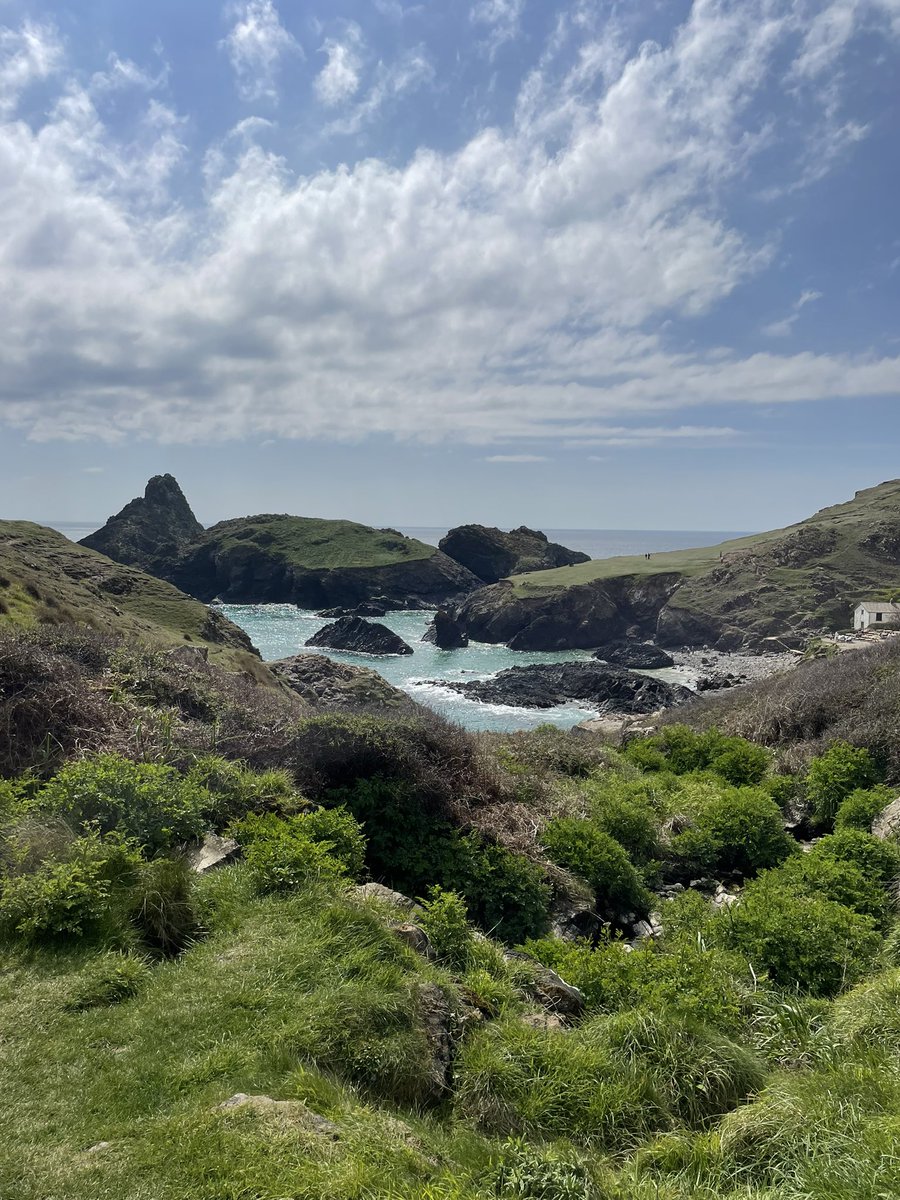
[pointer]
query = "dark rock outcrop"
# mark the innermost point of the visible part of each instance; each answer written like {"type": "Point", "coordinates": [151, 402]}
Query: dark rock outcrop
{"type": "Point", "coordinates": [369, 609]}
{"type": "Point", "coordinates": [152, 531]}
{"type": "Point", "coordinates": [446, 632]}
{"type": "Point", "coordinates": [359, 636]}
{"type": "Point", "coordinates": [543, 685]}
{"type": "Point", "coordinates": [324, 683]}
{"type": "Point", "coordinates": [637, 656]}
{"type": "Point", "coordinates": [492, 554]}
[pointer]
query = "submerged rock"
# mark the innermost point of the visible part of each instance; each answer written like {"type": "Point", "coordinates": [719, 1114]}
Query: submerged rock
{"type": "Point", "coordinates": [446, 632]}
{"type": "Point", "coordinates": [359, 636]}
{"type": "Point", "coordinates": [492, 554]}
{"type": "Point", "coordinates": [544, 685]}
{"type": "Point", "coordinates": [637, 656]}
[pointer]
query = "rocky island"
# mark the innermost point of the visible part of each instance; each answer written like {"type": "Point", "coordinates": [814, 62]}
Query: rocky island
{"type": "Point", "coordinates": [492, 554]}
{"type": "Point", "coordinates": [277, 558]}
{"type": "Point", "coordinates": [544, 685]}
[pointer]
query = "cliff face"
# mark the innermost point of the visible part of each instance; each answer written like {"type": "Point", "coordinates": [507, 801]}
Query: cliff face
{"type": "Point", "coordinates": [492, 555]}
{"type": "Point", "coordinates": [778, 587]}
{"type": "Point", "coordinates": [152, 531]}
{"type": "Point", "coordinates": [317, 564]}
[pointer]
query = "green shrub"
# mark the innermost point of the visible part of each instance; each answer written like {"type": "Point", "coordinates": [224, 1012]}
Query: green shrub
{"type": "Point", "coordinates": [862, 806]}
{"type": "Point", "coordinates": [505, 893]}
{"type": "Point", "coordinates": [333, 828]}
{"type": "Point", "coordinates": [583, 848]}
{"type": "Point", "coordinates": [233, 790]}
{"type": "Point", "coordinates": [820, 875]}
{"type": "Point", "coordinates": [631, 823]}
{"type": "Point", "coordinates": [148, 802]}
{"type": "Point", "coordinates": [682, 750]}
{"type": "Point", "coordinates": [285, 864]}
{"type": "Point", "coordinates": [163, 906]}
{"type": "Point", "coordinates": [801, 941]}
{"type": "Point", "coordinates": [740, 829]}
{"type": "Point", "coordinates": [109, 979]}
{"type": "Point", "coordinates": [834, 775]}
{"type": "Point", "coordinates": [869, 1015]}
{"type": "Point", "coordinates": [878, 860]}
{"type": "Point", "coordinates": [83, 892]}
{"type": "Point", "coordinates": [406, 844]}
{"type": "Point", "coordinates": [444, 918]}
{"type": "Point", "coordinates": [688, 981]}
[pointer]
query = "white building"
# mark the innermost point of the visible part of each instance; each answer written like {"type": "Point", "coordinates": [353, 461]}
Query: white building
{"type": "Point", "coordinates": [876, 614]}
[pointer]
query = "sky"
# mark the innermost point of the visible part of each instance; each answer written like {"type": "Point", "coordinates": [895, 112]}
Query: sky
{"type": "Point", "coordinates": [573, 263]}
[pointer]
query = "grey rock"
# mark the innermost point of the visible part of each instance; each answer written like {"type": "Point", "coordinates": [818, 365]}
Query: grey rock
{"type": "Point", "coordinates": [415, 937]}
{"type": "Point", "coordinates": [437, 1021]}
{"type": "Point", "coordinates": [638, 656]}
{"type": "Point", "coordinates": [98, 1147]}
{"type": "Point", "coordinates": [550, 989]}
{"type": "Point", "coordinates": [293, 1111]}
{"type": "Point", "coordinates": [887, 823]}
{"type": "Point", "coordinates": [214, 851]}
{"type": "Point", "coordinates": [359, 636]}
{"type": "Point", "coordinates": [377, 891]}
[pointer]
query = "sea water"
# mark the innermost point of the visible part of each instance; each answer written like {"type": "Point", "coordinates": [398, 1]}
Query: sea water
{"type": "Point", "coordinates": [281, 630]}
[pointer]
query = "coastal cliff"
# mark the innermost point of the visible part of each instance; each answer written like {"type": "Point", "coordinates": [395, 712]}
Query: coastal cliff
{"type": "Point", "coordinates": [772, 589]}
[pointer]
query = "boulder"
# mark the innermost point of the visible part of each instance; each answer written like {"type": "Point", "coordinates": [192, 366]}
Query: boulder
{"type": "Point", "coordinates": [446, 632]}
{"type": "Point", "coordinates": [359, 636]}
{"type": "Point", "coordinates": [385, 895]}
{"type": "Point", "coordinates": [550, 989]}
{"type": "Point", "coordinates": [415, 937]}
{"type": "Point", "coordinates": [492, 554]}
{"type": "Point", "coordinates": [325, 683]}
{"type": "Point", "coordinates": [544, 685]}
{"type": "Point", "coordinates": [637, 656]}
{"type": "Point", "coordinates": [214, 851]}
{"type": "Point", "coordinates": [887, 823]}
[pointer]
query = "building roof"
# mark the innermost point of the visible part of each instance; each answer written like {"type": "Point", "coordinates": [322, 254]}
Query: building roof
{"type": "Point", "coordinates": [872, 606]}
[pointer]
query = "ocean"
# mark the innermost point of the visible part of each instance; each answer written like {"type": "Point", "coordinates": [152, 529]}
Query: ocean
{"type": "Point", "coordinates": [280, 630]}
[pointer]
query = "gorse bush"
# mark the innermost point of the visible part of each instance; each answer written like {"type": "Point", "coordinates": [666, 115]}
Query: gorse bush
{"type": "Point", "coordinates": [148, 802]}
{"type": "Point", "coordinates": [739, 829]}
{"type": "Point", "coordinates": [335, 829]}
{"type": "Point", "coordinates": [281, 855]}
{"type": "Point", "coordinates": [85, 888]}
{"type": "Point", "coordinates": [599, 859]}
{"type": "Point", "coordinates": [234, 790]}
{"type": "Point", "coordinates": [835, 775]}
{"type": "Point", "coordinates": [803, 941]}
{"type": "Point", "coordinates": [505, 893]}
{"type": "Point", "coordinates": [682, 750]}
{"type": "Point", "coordinates": [861, 807]}
{"type": "Point", "coordinates": [629, 821]}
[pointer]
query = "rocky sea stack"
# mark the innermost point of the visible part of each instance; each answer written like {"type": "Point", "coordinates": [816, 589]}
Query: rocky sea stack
{"type": "Point", "coordinates": [492, 554]}
{"type": "Point", "coordinates": [360, 637]}
{"type": "Point", "coordinates": [446, 632]}
{"type": "Point", "coordinates": [152, 531]}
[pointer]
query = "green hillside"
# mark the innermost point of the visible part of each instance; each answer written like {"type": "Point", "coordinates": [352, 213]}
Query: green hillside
{"type": "Point", "coordinates": [315, 543]}
{"type": "Point", "coordinates": [47, 580]}
{"type": "Point", "coordinates": [788, 584]}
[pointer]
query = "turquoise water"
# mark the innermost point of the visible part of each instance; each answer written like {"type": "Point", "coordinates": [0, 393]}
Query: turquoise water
{"type": "Point", "coordinates": [281, 630]}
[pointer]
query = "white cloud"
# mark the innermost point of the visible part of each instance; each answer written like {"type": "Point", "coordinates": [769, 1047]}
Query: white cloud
{"type": "Point", "coordinates": [513, 292]}
{"type": "Point", "coordinates": [256, 44]}
{"type": "Point", "coordinates": [502, 17]}
{"type": "Point", "coordinates": [338, 81]}
{"type": "Point", "coordinates": [785, 327]}
{"type": "Point", "coordinates": [516, 458]}
{"type": "Point", "coordinates": [27, 55]}
{"type": "Point", "coordinates": [392, 81]}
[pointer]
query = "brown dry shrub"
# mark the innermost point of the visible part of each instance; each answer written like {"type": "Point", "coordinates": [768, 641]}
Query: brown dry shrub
{"type": "Point", "coordinates": [853, 697]}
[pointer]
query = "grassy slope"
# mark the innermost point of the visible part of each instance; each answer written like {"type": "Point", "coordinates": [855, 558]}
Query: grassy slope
{"type": "Point", "coordinates": [849, 520]}
{"type": "Point", "coordinates": [802, 573]}
{"type": "Point", "coordinates": [319, 544]}
{"type": "Point", "coordinates": [46, 579]}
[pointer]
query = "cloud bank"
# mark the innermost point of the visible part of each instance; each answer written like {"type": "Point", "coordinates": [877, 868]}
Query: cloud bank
{"type": "Point", "coordinates": [516, 288]}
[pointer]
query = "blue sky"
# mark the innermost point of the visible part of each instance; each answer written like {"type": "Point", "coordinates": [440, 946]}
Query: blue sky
{"type": "Point", "coordinates": [580, 264]}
